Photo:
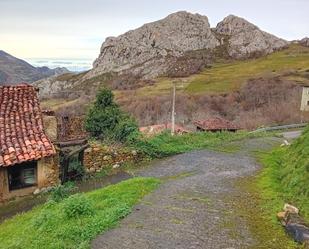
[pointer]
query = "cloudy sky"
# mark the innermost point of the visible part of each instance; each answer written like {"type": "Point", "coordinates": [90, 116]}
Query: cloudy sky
{"type": "Point", "coordinates": [77, 28]}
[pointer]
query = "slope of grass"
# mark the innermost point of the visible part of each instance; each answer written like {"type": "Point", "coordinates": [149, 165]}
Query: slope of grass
{"type": "Point", "coordinates": [73, 222]}
{"type": "Point", "coordinates": [285, 176]}
{"type": "Point", "coordinates": [225, 77]}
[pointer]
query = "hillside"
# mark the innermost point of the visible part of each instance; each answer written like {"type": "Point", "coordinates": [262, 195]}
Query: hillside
{"type": "Point", "coordinates": [223, 71]}
{"type": "Point", "coordinates": [14, 70]}
{"type": "Point", "coordinates": [180, 45]}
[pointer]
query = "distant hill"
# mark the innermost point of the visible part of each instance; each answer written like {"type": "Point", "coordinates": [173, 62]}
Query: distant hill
{"type": "Point", "coordinates": [14, 70]}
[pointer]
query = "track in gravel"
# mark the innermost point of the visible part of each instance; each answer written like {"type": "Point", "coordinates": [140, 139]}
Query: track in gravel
{"type": "Point", "coordinates": [191, 209]}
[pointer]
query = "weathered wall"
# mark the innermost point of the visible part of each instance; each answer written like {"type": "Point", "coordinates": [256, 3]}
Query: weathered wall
{"type": "Point", "coordinates": [71, 127]}
{"type": "Point", "coordinates": [47, 176]}
{"type": "Point", "coordinates": [99, 156]}
{"type": "Point", "coordinates": [305, 99]}
{"type": "Point", "coordinates": [48, 172]}
{"type": "Point", "coordinates": [3, 184]}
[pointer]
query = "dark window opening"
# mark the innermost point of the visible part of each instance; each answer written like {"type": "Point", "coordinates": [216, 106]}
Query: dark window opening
{"type": "Point", "coordinates": [22, 175]}
{"type": "Point", "coordinates": [308, 102]}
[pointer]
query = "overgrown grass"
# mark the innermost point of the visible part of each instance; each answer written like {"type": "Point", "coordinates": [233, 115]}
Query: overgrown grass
{"type": "Point", "coordinates": [225, 77]}
{"type": "Point", "coordinates": [285, 176]}
{"type": "Point", "coordinates": [165, 144]}
{"type": "Point", "coordinates": [74, 221]}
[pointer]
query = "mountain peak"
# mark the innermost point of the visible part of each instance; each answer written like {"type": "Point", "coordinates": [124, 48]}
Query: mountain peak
{"type": "Point", "coordinates": [154, 49]}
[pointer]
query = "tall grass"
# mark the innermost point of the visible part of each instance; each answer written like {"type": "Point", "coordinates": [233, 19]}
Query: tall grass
{"type": "Point", "coordinates": [285, 177]}
{"type": "Point", "coordinates": [76, 220]}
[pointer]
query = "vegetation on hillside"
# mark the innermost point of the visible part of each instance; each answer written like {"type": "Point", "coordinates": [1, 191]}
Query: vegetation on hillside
{"type": "Point", "coordinates": [223, 89]}
{"type": "Point", "coordinates": [106, 121]}
{"type": "Point", "coordinates": [227, 76]}
{"type": "Point", "coordinates": [285, 176]}
{"type": "Point", "coordinates": [74, 221]}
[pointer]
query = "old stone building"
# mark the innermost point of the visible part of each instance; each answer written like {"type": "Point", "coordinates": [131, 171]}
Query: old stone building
{"type": "Point", "coordinates": [28, 159]}
{"type": "Point", "coordinates": [305, 99]}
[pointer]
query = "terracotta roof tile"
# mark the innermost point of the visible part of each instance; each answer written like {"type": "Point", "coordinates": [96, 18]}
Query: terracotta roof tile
{"type": "Point", "coordinates": [215, 123]}
{"type": "Point", "coordinates": [22, 136]}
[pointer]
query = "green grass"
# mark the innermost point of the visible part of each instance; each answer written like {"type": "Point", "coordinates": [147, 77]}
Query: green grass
{"type": "Point", "coordinates": [73, 224]}
{"type": "Point", "coordinates": [285, 177]}
{"type": "Point", "coordinates": [166, 145]}
{"type": "Point", "coordinates": [225, 77]}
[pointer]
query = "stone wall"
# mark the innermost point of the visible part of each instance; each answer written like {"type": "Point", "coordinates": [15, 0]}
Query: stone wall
{"type": "Point", "coordinates": [99, 156]}
{"type": "Point", "coordinates": [48, 172]}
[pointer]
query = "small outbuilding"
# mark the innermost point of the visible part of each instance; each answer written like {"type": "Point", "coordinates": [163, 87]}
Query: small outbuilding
{"type": "Point", "coordinates": [215, 124]}
{"type": "Point", "coordinates": [28, 159]}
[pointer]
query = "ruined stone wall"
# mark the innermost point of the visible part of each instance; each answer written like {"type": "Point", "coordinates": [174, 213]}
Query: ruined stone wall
{"type": "Point", "coordinates": [71, 127]}
{"type": "Point", "coordinates": [98, 157]}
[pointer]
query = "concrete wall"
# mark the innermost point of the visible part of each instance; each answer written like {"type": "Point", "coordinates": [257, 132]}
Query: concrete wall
{"type": "Point", "coordinates": [305, 99]}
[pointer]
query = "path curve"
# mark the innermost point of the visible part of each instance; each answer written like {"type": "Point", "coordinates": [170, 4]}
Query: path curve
{"type": "Point", "coordinates": [192, 207]}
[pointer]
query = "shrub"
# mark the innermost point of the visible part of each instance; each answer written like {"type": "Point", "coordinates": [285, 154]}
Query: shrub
{"type": "Point", "coordinates": [105, 120]}
{"type": "Point", "coordinates": [61, 192]}
{"type": "Point", "coordinates": [78, 205]}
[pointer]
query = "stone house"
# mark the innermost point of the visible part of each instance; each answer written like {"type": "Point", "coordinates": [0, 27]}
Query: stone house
{"type": "Point", "coordinates": [28, 159]}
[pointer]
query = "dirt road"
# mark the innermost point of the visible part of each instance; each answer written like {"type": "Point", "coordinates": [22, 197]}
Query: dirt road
{"type": "Point", "coordinates": [192, 208]}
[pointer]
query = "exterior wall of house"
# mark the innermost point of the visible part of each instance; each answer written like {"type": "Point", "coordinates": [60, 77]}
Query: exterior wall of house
{"type": "Point", "coordinates": [47, 176]}
{"type": "Point", "coordinates": [305, 100]}
{"type": "Point", "coordinates": [48, 172]}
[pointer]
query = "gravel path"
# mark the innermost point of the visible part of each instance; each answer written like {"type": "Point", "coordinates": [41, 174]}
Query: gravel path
{"type": "Point", "coordinates": [192, 207]}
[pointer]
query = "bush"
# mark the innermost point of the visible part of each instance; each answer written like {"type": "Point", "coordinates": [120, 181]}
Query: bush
{"type": "Point", "coordinates": [61, 192]}
{"type": "Point", "coordinates": [105, 120]}
{"type": "Point", "coordinates": [78, 205]}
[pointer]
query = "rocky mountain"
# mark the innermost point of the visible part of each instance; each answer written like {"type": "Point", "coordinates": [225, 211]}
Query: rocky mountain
{"type": "Point", "coordinates": [154, 48]}
{"type": "Point", "coordinates": [245, 39]}
{"type": "Point", "coordinates": [179, 45]}
{"type": "Point", "coordinates": [14, 70]}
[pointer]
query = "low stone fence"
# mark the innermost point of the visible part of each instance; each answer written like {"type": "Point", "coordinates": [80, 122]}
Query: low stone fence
{"type": "Point", "coordinates": [99, 156]}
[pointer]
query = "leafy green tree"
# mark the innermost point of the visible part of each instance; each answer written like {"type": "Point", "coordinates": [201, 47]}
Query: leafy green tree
{"type": "Point", "coordinates": [105, 120]}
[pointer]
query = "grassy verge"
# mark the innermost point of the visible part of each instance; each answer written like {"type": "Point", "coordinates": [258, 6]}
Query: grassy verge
{"type": "Point", "coordinates": [74, 221]}
{"type": "Point", "coordinates": [283, 179]}
{"type": "Point", "coordinates": [285, 176]}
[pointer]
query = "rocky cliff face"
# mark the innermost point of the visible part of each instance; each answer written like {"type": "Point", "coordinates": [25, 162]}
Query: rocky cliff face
{"type": "Point", "coordinates": [147, 49]}
{"type": "Point", "coordinates": [245, 39]}
{"type": "Point", "coordinates": [304, 42]}
{"type": "Point", "coordinates": [14, 70]}
{"type": "Point", "coordinates": [179, 45]}
{"type": "Point", "coordinates": [151, 49]}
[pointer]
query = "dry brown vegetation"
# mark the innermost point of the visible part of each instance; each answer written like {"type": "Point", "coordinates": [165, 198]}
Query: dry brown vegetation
{"type": "Point", "coordinates": [262, 101]}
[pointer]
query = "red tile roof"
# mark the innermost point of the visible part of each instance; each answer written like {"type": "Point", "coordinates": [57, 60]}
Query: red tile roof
{"type": "Point", "coordinates": [22, 136]}
{"type": "Point", "coordinates": [216, 123]}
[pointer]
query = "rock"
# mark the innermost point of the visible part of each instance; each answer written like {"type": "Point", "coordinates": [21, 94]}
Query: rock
{"type": "Point", "coordinates": [281, 216]}
{"type": "Point", "coordinates": [246, 39]}
{"type": "Point", "coordinates": [304, 42]}
{"type": "Point", "coordinates": [145, 51]}
{"type": "Point", "coordinates": [37, 191]}
{"type": "Point", "coordinates": [291, 209]}
{"type": "Point", "coordinates": [134, 152]}
{"type": "Point", "coordinates": [116, 166]}
{"type": "Point", "coordinates": [92, 170]}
